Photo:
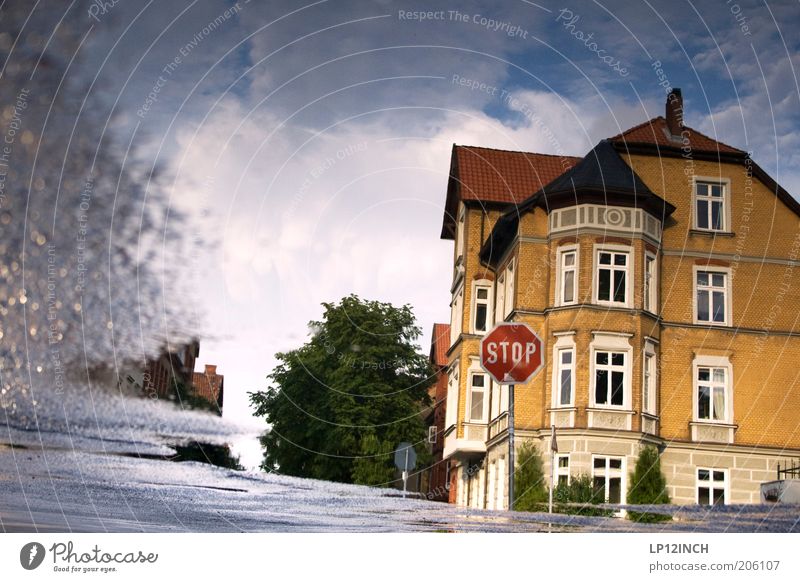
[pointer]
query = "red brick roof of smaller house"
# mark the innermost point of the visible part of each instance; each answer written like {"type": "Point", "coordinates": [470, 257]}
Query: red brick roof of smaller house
{"type": "Point", "coordinates": [498, 176]}
{"type": "Point", "coordinates": [491, 175]}
{"type": "Point", "coordinates": [440, 342]}
{"type": "Point", "coordinates": [655, 132]}
{"type": "Point", "coordinates": [208, 384]}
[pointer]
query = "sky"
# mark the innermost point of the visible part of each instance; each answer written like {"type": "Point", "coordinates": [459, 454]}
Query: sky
{"type": "Point", "coordinates": [309, 144]}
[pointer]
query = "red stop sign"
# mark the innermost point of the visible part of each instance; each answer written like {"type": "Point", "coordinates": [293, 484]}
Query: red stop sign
{"type": "Point", "coordinates": [512, 353]}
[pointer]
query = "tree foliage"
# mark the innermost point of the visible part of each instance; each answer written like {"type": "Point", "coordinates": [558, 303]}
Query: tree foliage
{"type": "Point", "coordinates": [648, 485]}
{"type": "Point", "coordinates": [341, 403]}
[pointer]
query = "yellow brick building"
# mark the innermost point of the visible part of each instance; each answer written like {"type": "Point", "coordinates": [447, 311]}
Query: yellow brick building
{"type": "Point", "coordinates": [660, 272]}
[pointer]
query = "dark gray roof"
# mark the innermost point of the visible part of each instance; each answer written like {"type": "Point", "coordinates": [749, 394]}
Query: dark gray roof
{"type": "Point", "coordinates": [601, 177]}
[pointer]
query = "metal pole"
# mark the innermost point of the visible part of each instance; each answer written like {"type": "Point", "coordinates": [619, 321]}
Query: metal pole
{"type": "Point", "coordinates": [405, 473]}
{"type": "Point", "coordinates": [552, 477]}
{"type": "Point", "coordinates": [511, 447]}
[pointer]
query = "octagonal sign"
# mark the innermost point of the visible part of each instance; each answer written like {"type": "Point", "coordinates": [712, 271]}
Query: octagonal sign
{"type": "Point", "coordinates": [512, 353]}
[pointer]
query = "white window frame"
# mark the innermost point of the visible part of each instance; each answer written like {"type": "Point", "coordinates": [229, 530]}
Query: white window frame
{"type": "Point", "coordinates": [564, 343]}
{"type": "Point", "coordinates": [488, 302]}
{"type": "Point", "coordinates": [725, 183]}
{"type": "Point", "coordinates": [701, 361]}
{"type": "Point", "coordinates": [561, 274]}
{"type": "Point", "coordinates": [453, 389]}
{"type": "Point", "coordinates": [650, 282]}
{"type": "Point", "coordinates": [608, 473]}
{"type": "Point", "coordinates": [456, 313]}
{"type": "Point", "coordinates": [629, 274]}
{"type": "Point", "coordinates": [499, 308]}
{"type": "Point", "coordinates": [711, 484]}
{"type": "Point", "coordinates": [649, 379]}
{"type": "Point", "coordinates": [713, 269]}
{"type": "Point", "coordinates": [476, 370]}
{"type": "Point", "coordinates": [432, 434]}
{"type": "Point", "coordinates": [560, 471]}
{"type": "Point", "coordinates": [508, 303]}
{"type": "Point", "coordinates": [611, 342]}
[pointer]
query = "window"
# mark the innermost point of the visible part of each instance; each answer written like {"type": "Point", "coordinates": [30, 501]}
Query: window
{"type": "Point", "coordinates": [710, 209]}
{"type": "Point", "coordinates": [566, 377]}
{"type": "Point", "coordinates": [482, 306]}
{"type": "Point", "coordinates": [607, 473]}
{"type": "Point", "coordinates": [711, 393]}
{"type": "Point", "coordinates": [712, 303]}
{"type": "Point", "coordinates": [612, 277]}
{"type": "Point", "coordinates": [432, 434]}
{"type": "Point", "coordinates": [712, 486]}
{"type": "Point", "coordinates": [562, 469]}
{"type": "Point", "coordinates": [500, 308]}
{"type": "Point", "coordinates": [649, 381]}
{"type": "Point", "coordinates": [460, 232]}
{"type": "Point", "coordinates": [567, 292]}
{"type": "Point", "coordinates": [609, 378]}
{"type": "Point", "coordinates": [477, 397]}
{"type": "Point", "coordinates": [508, 304]}
{"type": "Point", "coordinates": [451, 411]}
{"type": "Point", "coordinates": [650, 284]}
{"type": "Point", "coordinates": [456, 314]}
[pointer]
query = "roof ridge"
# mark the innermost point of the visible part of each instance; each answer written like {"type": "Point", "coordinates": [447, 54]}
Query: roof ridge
{"type": "Point", "coordinates": [714, 139]}
{"type": "Point", "coordinates": [621, 136]}
{"type": "Point", "coordinates": [516, 151]}
{"type": "Point", "coordinates": [635, 127]}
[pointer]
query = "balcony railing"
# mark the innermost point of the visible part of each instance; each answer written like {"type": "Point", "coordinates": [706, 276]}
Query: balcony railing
{"type": "Point", "coordinates": [498, 425]}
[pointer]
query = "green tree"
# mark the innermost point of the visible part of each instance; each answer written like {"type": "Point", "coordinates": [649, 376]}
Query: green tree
{"type": "Point", "coordinates": [530, 485]}
{"type": "Point", "coordinates": [341, 403]}
{"type": "Point", "coordinates": [648, 486]}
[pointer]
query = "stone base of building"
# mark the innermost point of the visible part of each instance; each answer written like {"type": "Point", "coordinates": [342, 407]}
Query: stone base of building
{"type": "Point", "coordinates": [695, 472]}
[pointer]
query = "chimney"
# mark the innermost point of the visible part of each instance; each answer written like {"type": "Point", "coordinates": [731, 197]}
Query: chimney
{"type": "Point", "coordinates": [211, 370]}
{"type": "Point", "coordinates": [674, 113]}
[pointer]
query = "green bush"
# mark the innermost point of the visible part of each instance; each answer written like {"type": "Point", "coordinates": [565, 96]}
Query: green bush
{"type": "Point", "coordinates": [579, 497]}
{"type": "Point", "coordinates": [530, 484]}
{"type": "Point", "coordinates": [648, 486]}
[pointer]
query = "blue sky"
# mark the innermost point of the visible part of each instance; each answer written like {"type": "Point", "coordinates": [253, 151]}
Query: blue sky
{"type": "Point", "coordinates": [310, 143]}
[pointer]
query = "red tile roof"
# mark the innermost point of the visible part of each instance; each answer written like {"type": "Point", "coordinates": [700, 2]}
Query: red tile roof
{"type": "Point", "coordinates": [440, 342]}
{"type": "Point", "coordinates": [490, 175]}
{"type": "Point", "coordinates": [208, 384]}
{"type": "Point", "coordinates": [655, 132]}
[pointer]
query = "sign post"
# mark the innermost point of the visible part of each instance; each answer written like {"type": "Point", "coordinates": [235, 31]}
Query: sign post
{"type": "Point", "coordinates": [511, 354]}
{"type": "Point", "coordinates": [405, 459]}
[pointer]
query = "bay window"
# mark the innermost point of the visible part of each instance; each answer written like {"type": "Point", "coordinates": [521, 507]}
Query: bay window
{"type": "Point", "coordinates": [478, 386]}
{"type": "Point", "coordinates": [567, 276]}
{"type": "Point", "coordinates": [609, 378]}
{"type": "Point", "coordinates": [607, 476]}
{"type": "Point", "coordinates": [650, 295]}
{"type": "Point", "coordinates": [612, 277]}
